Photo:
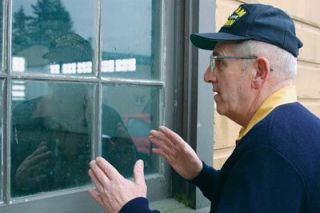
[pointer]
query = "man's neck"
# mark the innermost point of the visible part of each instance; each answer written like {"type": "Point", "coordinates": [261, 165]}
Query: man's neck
{"type": "Point", "coordinates": [260, 98]}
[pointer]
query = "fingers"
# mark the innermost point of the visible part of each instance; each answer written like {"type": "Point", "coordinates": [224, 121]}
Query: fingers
{"type": "Point", "coordinates": [95, 180]}
{"type": "Point", "coordinates": [161, 153]}
{"type": "Point", "coordinates": [96, 196]}
{"type": "Point", "coordinates": [37, 168]}
{"type": "Point", "coordinates": [172, 136]}
{"type": "Point", "coordinates": [98, 175]}
{"type": "Point", "coordinates": [102, 172]}
{"type": "Point", "coordinates": [161, 141]}
{"type": "Point", "coordinates": [112, 189]}
{"type": "Point", "coordinates": [168, 143]}
{"type": "Point", "coordinates": [160, 135]}
{"type": "Point", "coordinates": [39, 157]}
{"type": "Point", "coordinates": [107, 168]}
{"type": "Point", "coordinates": [161, 144]}
{"type": "Point", "coordinates": [138, 173]}
{"type": "Point", "coordinates": [167, 136]}
{"type": "Point", "coordinates": [40, 149]}
{"type": "Point", "coordinates": [28, 168]}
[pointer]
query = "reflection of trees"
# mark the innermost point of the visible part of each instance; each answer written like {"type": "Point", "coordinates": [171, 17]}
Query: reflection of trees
{"type": "Point", "coordinates": [49, 20]}
{"type": "Point", "coordinates": [21, 30]}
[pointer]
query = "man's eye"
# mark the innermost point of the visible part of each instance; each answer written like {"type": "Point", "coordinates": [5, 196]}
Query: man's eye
{"type": "Point", "coordinates": [219, 63]}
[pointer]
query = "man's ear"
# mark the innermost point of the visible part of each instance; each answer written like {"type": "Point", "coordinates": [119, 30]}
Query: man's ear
{"type": "Point", "coordinates": [262, 72]}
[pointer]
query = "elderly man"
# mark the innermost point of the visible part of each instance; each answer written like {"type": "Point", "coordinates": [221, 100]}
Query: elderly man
{"type": "Point", "coordinates": [275, 166]}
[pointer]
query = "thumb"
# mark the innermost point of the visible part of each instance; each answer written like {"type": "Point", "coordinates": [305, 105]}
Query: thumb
{"type": "Point", "coordinates": [138, 173]}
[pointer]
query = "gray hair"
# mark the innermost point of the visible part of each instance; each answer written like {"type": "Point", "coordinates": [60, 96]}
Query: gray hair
{"type": "Point", "coordinates": [282, 62]}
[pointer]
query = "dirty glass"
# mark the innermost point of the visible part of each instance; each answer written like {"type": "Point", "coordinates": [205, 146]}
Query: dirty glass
{"type": "Point", "coordinates": [128, 39]}
{"type": "Point", "coordinates": [51, 135]}
{"type": "Point", "coordinates": [52, 37]}
{"type": "Point", "coordinates": [125, 139]}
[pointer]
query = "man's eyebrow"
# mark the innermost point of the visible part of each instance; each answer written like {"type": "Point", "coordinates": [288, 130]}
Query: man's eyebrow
{"type": "Point", "coordinates": [215, 53]}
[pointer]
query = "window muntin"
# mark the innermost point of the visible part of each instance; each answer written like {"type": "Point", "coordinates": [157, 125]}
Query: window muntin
{"type": "Point", "coordinates": [52, 37]}
{"type": "Point", "coordinates": [1, 139]}
{"type": "Point", "coordinates": [1, 34]}
{"type": "Point", "coordinates": [51, 137]}
{"type": "Point", "coordinates": [127, 41]}
{"type": "Point", "coordinates": [126, 140]}
{"type": "Point", "coordinates": [1, 103]}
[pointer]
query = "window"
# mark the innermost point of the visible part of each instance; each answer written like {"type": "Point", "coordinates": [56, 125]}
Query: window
{"type": "Point", "coordinates": [51, 120]}
{"type": "Point", "coordinates": [139, 115]}
{"type": "Point", "coordinates": [51, 137]}
{"type": "Point", "coordinates": [84, 78]}
{"type": "Point", "coordinates": [128, 44]}
{"type": "Point", "coordinates": [52, 37]}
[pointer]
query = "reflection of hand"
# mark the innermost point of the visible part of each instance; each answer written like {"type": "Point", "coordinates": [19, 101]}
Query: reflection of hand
{"type": "Point", "coordinates": [177, 152]}
{"type": "Point", "coordinates": [30, 173]}
{"type": "Point", "coordinates": [113, 191]}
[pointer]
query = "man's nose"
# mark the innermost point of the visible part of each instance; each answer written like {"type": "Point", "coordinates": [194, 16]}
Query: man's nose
{"type": "Point", "coordinates": [209, 76]}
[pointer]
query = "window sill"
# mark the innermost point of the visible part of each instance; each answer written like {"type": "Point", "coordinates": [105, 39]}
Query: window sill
{"type": "Point", "coordinates": [173, 206]}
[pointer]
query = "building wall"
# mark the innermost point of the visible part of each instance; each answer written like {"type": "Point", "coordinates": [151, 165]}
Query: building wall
{"type": "Point", "coordinates": [306, 18]}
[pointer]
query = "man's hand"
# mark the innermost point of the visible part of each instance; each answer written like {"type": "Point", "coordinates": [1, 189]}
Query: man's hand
{"type": "Point", "coordinates": [113, 191]}
{"type": "Point", "coordinates": [177, 152]}
{"type": "Point", "coordinates": [32, 171]}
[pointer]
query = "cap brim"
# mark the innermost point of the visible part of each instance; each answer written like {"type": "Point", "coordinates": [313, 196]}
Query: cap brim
{"type": "Point", "coordinates": [68, 54]}
{"type": "Point", "coordinates": [208, 41]}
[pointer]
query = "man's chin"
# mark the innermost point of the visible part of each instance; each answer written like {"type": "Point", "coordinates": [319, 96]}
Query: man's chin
{"type": "Point", "coordinates": [219, 107]}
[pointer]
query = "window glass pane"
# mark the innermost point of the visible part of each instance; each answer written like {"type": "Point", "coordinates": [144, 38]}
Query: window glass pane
{"type": "Point", "coordinates": [128, 39]}
{"type": "Point", "coordinates": [51, 135]}
{"type": "Point", "coordinates": [52, 36]}
{"type": "Point", "coordinates": [125, 132]}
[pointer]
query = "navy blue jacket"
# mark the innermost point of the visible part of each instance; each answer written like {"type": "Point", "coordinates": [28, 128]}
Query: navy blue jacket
{"type": "Point", "coordinates": [275, 167]}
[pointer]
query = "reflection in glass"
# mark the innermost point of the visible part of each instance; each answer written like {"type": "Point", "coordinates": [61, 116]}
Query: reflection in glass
{"type": "Point", "coordinates": [51, 136]}
{"type": "Point", "coordinates": [51, 36]}
{"type": "Point", "coordinates": [129, 41]}
{"type": "Point", "coordinates": [138, 109]}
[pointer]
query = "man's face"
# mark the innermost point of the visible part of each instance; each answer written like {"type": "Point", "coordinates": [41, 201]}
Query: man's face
{"type": "Point", "coordinates": [231, 83]}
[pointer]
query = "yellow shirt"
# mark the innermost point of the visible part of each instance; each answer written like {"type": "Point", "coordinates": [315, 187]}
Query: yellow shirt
{"type": "Point", "coordinates": [284, 95]}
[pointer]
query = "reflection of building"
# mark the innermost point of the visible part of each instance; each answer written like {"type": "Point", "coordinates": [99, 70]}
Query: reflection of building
{"type": "Point", "coordinates": [107, 66]}
{"type": "Point", "coordinates": [32, 59]}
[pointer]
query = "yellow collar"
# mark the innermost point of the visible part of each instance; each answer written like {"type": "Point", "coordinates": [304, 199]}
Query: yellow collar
{"type": "Point", "coordinates": [284, 95]}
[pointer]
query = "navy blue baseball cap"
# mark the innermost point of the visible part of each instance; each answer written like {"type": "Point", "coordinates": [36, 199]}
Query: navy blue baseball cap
{"type": "Point", "coordinates": [254, 22]}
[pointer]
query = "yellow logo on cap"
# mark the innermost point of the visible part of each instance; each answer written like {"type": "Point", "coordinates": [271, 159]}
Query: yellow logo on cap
{"type": "Point", "coordinates": [238, 13]}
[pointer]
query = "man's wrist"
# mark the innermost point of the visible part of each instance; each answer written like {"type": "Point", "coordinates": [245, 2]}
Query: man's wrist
{"type": "Point", "coordinates": [136, 205]}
